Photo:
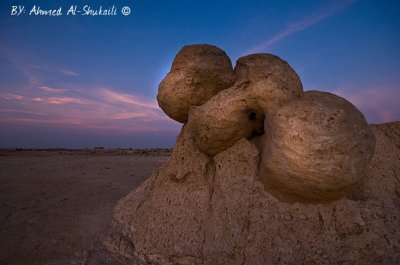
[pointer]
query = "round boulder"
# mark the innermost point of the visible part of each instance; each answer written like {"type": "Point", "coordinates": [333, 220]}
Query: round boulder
{"type": "Point", "coordinates": [272, 80]}
{"type": "Point", "coordinates": [317, 148]}
{"type": "Point", "coordinates": [198, 72]}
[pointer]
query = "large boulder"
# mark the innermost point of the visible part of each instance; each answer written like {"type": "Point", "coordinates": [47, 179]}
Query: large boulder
{"type": "Point", "coordinates": [318, 148]}
{"type": "Point", "coordinates": [198, 72]}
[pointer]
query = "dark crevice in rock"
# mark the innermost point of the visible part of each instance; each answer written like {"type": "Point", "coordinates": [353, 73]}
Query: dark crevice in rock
{"type": "Point", "coordinates": [210, 173]}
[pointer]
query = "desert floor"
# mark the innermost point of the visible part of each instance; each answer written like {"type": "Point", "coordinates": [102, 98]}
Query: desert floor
{"type": "Point", "coordinates": [55, 205]}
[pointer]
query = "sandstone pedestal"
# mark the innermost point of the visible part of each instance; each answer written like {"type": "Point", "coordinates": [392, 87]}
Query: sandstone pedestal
{"type": "Point", "coordinates": [284, 185]}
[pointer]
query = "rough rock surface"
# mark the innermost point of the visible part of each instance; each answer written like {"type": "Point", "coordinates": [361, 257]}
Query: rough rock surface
{"type": "Point", "coordinates": [174, 199]}
{"type": "Point", "coordinates": [263, 82]}
{"type": "Point", "coordinates": [216, 201]}
{"type": "Point", "coordinates": [260, 66]}
{"type": "Point", "coordinates": [227, 217]}
{"type": "Point", "coordinates": [272, 81]}
{"type": "Point", "coordinates": [197, 73]}
{"type": "Point", "coordinates": [317, 148]}
{"type": "Point", "coordinates": [224, 119]}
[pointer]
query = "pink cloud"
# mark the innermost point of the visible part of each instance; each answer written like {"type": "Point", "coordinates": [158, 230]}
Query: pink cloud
{"type": "Point", "coordinates": [64, 100]}
{"type": "Point", "coordinates": [116, 97]}
{"type": "Point", "coordinates": [52, 90]}
{"type": "Point", "coordinates": [378, 104]}
{"type": "Point", "coordinates": [11, 110]}
{"type": "Point", "coordinates": [133, 115]}
{"type": "Point", "coordinates": [96, 108]}
{"type": "Point", "coordinates": [101, 108]}
{"type": "Point", "coordinates": [37, 99]}
{"type": "Point", "coordinates": [11, 96]}
{"type": "Point", "coordinates": [41, 121]}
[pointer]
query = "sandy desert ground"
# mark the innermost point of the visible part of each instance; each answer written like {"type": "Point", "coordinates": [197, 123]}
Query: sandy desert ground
{"type": "Point", "coordinates": [56, 206]}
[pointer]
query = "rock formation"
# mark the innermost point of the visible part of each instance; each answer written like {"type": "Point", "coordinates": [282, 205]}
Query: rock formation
{"type": "Point", "coordinates": [262, 173]}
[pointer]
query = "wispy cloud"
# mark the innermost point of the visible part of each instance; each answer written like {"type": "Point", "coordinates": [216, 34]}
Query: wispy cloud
{"type": "Point", "coordinates": [63, 100]}
{"type": "Point", "coordinates": [11, 96]}
{"type": "Point", "coordinates": [52, 69]}
{"type": "Point", "coordinates": [69, 72]}
{"type": "Point", "coordinates": [34, 73]}
{"type": "Point", "coordinates": [302, 24]}
{"type": "Point", "coordinates": [15, 59]}
{"type": "Point", "coordinates": [15, 98]}
{"type": "Point", "coordinates": [34, 101]}
{"type": "Point", "coordinates": [52, 89]}
{"type": "Point", "coordinates": [117, 97]}
{"type": "Point", "coordinates": [379, 104]}
{"type": "Point", "coordinates": [100, 108]}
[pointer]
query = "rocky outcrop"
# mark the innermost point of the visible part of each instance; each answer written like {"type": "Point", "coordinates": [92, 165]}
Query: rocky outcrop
{"type": "Point", "coordinates": [291, 180]}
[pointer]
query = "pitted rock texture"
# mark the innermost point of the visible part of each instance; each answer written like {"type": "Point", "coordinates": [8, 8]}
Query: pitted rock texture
{"type": "Point", "coordinates": [272, 81]}
{"type": "Point", "coordinates": [317, 148]}
{"type": "Point", "coordinates": [221, 214]}
{"type": "Point", "coordinates": [224, 119]}
{"type": "Point", "coordinates": [197, 73]}
{"type": "Point", "coordinates": [264, 173]}
{"type": "Point", "coordinates": [162, 208]}
{"type": "Point", "coordinates": [262, 83]}
{"type": "Point", "coordinates": [261, 66]}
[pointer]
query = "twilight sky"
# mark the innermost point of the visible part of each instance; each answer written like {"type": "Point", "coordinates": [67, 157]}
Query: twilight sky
{"type": "Point", "coordinates": [83, 81]}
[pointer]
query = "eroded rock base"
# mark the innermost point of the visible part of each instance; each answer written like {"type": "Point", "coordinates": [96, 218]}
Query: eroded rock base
{"type": "Point", "coordinates": [198, 209]}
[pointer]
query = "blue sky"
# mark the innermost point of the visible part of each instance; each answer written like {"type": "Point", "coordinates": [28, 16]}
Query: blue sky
{"type": "Point", "coordinates": [79, 81]}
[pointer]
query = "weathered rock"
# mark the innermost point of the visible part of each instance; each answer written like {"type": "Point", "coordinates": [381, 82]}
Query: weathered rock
{"type": "Point", "coordinates": [263, 173]}
{"type": "Point", "coordinates": [230, 204]}
{"type": "Point", "coordinates": [271, 79]}
{"type": "Point", "coordinates": [317, 148]}
{"type": "Point", "coordinates": [263, 82]}
{"type": "Point", "coordinates": [227, 217]}
{"type": "Point", "coordinates": [197, 73]}
{"type": "Point", "coordinates": [162, 220]}
{"type": "Point", "coordinates": [259, 66]}
{"type": "Point", "coordinates": [224, 119]}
